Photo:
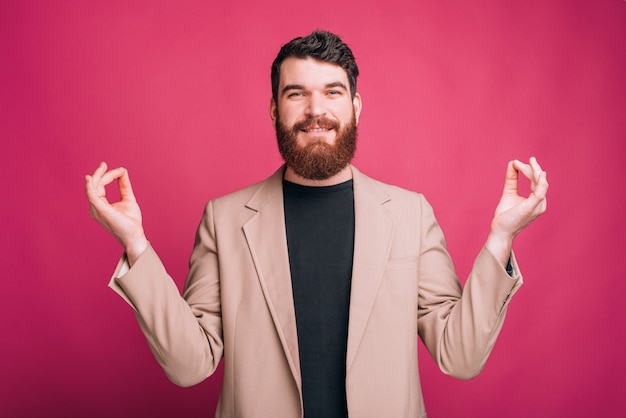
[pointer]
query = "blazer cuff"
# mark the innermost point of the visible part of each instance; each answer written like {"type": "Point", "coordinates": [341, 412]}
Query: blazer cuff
{"type": "Point", "coordinates": [122, 268]}
{"type": "Point", "coordinates": [512, 269]}
{"type": "Point", "coordinates": [124, 272]}
{"type": "Point", "coordinates": [503, 284]}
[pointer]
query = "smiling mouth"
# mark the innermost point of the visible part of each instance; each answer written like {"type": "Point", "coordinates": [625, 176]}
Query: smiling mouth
{"type": "Point", "coordinates": [318, 125]}
{"type": "Point", "coordinates": [315, 130]}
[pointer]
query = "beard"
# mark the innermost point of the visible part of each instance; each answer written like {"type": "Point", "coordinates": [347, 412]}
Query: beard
{"type": "Point", "coordinates": [317, 160]}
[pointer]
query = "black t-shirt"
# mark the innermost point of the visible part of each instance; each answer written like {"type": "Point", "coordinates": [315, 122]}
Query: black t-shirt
{"type": "Point", "coordinates": [320, 236]}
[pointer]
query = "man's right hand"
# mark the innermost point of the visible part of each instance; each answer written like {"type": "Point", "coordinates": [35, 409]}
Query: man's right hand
{"type": "Point", "coordinates": [122, 219]}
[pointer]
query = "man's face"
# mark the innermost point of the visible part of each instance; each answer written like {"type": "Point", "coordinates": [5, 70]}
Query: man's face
{"type": "Point", "coordinates": [315, 117]}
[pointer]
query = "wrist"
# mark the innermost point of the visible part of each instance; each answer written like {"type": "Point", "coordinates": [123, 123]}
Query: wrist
{"type": "Point", "coordinates": [135, 248]}
{"type": "Point", "coordinates": [500, 246]}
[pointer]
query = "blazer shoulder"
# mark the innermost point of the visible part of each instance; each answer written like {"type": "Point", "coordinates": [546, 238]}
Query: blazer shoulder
{"type": "Point", "coordinates": [251, 196]}
{"type": "Point", "coordinates": [393, 192]}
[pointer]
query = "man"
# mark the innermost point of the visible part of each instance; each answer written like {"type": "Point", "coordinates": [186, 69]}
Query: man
{"type": "Point", "coordinates": [312, 284]}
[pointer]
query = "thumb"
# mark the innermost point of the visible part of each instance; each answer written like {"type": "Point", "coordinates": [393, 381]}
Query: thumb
{"type": "Point", "coordinates": [511, 179]}
{"type": "Point", "coordinates": [125, 186]}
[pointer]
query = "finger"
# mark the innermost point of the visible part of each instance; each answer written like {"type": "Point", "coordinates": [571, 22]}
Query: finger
{"type": "Point", "coordinates": [90, 188]}
{"type": "Point", "coordinates": [96, 202]}
{"type": "Point", "coordinates": [531, 171]}
{"type": "Point", "coordinates": [96, 184]}
{"type": "Point", "coordinates": [541, 190]}
{"type": "Point", "coordinates": [535, 163]}
{"type": "Point", "coordinates": [536, 168]}
{"type": "Point", "coordinates": [94, 192]}
{"type": "Point", "coordinates": [524, 168]}
{"type": "Point", "coordinates": [100, 170]}
{"type": "Point", "coordinates": [510, 179]}
{"type": "Point", "coordinates": [537, 202]}
{"type": "Point", "coordinates": [107, 178]}
{"type": "Point", "coordinates": [126, 188]}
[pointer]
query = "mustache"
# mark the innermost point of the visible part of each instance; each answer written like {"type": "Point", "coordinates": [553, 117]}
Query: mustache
{"type": "Point", "coordinates": [316, 122]}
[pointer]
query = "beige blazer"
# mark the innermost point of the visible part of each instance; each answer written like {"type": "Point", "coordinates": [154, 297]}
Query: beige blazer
{"type": "Point", "coordinates": [238, 306]}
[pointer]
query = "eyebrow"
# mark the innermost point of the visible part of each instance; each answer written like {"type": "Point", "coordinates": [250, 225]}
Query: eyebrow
{"type": "Point", "coordinates": [291, 87]}
{"type": "Point", "coordinates": [334, 84]}
{"type": "Point", "coordinates": [337, 84]}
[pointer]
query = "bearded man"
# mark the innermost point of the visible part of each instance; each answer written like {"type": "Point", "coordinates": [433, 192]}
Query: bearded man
{"type": "Point", "coordinates": [314, 284]}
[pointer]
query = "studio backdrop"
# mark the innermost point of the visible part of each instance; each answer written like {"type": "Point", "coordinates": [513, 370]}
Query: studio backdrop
{"type": "Point", "coordinates": [178, 92]}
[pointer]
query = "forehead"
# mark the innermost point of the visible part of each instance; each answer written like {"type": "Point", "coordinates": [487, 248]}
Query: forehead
{"type": "Point", "coordinates": [310, 72]}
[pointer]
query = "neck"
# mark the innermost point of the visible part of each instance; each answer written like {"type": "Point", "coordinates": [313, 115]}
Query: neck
{"type": "Point", "coordinates": [344, 175]}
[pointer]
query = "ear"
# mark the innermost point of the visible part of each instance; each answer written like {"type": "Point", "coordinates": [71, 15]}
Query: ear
{"type": "Point", "coordinates": [357, 104]}
{"type": "Point", "coordinates": [273, 111]}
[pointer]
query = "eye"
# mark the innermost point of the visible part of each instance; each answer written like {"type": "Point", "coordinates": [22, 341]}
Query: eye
{"type": "Point", "coordinates": [295, 94]}
{"type": "Point", "coordinates": [333, 92]}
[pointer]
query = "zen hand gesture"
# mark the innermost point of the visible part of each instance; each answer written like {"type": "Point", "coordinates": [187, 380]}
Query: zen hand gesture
{"type": "Point", "coordinates": [515, 212]}
{"type": "Point", "coordinates": [122, 219]}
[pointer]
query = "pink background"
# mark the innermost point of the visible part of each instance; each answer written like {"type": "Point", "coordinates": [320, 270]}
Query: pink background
{"type": "Point", "coordinates": [178, 92]}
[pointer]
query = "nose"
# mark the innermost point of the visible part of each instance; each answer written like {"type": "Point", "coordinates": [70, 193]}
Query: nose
{"type": "Point", "coordinates": [315, 106]}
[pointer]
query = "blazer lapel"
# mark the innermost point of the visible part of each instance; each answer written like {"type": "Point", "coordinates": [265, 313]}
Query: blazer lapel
{"type": "Point", "coordinates": [372, 243]}
{"type": "Point", "coordinates": [267, 240]}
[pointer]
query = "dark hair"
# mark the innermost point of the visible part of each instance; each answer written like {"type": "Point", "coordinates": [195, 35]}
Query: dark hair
{"type": "Point", "coordinates": [320, 45]}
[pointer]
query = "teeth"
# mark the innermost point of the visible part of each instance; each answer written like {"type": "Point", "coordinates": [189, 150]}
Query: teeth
{"type": "Point", "coordinates": [316, 130]}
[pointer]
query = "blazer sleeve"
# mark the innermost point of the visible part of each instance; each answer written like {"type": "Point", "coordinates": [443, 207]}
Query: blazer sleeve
{"type": "Point", "coordinates": [459, 326]}
{"type": "Point", "coordinates": [184, 333]}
